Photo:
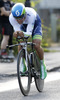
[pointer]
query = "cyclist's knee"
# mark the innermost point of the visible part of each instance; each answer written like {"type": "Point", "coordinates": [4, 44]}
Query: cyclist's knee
{"type": "Point", "coordinates": [37, 46]}
{"type": "Point", "coordinates": [4, 42]}
{"type": "Point", "coordinates": [38, 43]}
{"type": "Point", "coordinates": [6, 38]}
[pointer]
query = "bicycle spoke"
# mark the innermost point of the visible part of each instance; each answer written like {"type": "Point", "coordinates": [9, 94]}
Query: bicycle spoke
{"type": "Point", "coordinates": [23, 73]}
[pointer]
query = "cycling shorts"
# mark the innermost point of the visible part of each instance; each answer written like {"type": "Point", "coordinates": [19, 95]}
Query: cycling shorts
{"type": "Point", "coordinates": [8, 29]}
{"type": "Point", "coordinates": [37, 31]}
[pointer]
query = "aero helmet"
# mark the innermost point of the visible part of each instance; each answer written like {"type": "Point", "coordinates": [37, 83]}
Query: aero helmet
{"type": "Point", "coordinates": [18, 10]}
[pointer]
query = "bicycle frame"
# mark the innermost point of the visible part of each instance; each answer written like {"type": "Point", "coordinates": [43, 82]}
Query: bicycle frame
{"type": "Point", "coordinates": [31, 71]}
{"type": "Point", "coordinates": [25, 48]}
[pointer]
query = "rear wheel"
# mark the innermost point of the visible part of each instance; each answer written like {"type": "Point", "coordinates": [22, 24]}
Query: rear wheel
{"type": "Point", "coordinates": [24, 78]}
{"type": "Point", "coordinates": [39, 84]}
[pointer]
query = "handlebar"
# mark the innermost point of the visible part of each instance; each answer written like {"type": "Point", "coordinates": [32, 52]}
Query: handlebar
{"type": "Point", "coordinates": [18, 38]}
{"type": "Point", "coordinates": [25, 37]}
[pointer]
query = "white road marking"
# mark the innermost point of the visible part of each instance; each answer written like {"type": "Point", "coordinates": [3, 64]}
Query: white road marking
{"type": "Point", "coordinates": [52, 77]}
{"type": "Point", "coordinates": [10, 85]}
{"type": "Point", "coordinates": [13, 84]}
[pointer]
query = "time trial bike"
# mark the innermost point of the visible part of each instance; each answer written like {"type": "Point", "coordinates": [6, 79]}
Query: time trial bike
{"type": "Point", "coordinates": [32, 67]}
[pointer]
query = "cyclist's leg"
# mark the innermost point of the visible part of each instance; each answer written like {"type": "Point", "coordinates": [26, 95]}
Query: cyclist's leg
{"type": "Point", "coordinates": [5, 38]}
{"type": "Point", "coordinates": [4, 42]}
{"type": "Point", "coordinates": [38, 48]}
{"type": "Point", "coordinates": [3, 45]}
{"type": "Point", "coordinates": [1, 32]}
{"type": "Point", "coordinates": [11, 54]}
{"type": "Point", "coordinates": [37, 38]}
{"type": "Point", "coordinates": [40, 54]}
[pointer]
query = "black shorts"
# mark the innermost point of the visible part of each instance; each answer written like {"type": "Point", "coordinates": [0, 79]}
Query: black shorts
{"type": "Point", "coordinates": [8, 29]}
{"type": "Point", "coordinates": [0, 28]}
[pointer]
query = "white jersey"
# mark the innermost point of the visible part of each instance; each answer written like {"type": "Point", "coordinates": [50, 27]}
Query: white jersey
{"type": "Point", "coordinates": [30, 20]}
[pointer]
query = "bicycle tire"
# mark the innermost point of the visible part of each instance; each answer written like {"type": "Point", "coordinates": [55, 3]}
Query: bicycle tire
{"type": "Point", "coordinates": [39, 84]}
{"type": "Point", "coordinates": [23, 90]}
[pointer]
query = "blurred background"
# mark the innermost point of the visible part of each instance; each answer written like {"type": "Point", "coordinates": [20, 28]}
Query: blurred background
{"type": "Point", "coordinates": [49, 12]}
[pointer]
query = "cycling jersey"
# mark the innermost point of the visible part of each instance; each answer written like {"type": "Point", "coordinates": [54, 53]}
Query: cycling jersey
{"type": "Point", "coordinates": [31, 25]}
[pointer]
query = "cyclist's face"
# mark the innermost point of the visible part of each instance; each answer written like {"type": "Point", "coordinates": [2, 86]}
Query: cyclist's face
{"type": "Point", "coordinates": [20, 21]}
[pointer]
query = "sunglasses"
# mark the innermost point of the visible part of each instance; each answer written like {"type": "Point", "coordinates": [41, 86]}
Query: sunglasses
{"type": "Point", "coordinates": [20, 17]}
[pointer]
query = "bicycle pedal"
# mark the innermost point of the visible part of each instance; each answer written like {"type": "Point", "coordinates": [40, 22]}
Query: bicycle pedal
{"type": "Point", "coordinates": [24, 73]}
{"type": "Point", "coordinates": [37, 74]}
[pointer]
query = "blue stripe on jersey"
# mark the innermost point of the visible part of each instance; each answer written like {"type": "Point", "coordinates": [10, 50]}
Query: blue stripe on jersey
{"type": "Point", "coordinates": [37, 27]}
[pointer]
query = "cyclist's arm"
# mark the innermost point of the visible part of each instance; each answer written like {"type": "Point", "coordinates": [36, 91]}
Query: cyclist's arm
{"type": "Point", "coordinates": [14, 23]}
{"type": "Point", "coordinates": [18, 32]}
{"type": "Point", "coordinates": [2, 9]}
{"type": "Point", "coordinates": [30, 26]}
{"type": "Point", "coordinates": [29, 30]}
{"type": "Point", "coordinates": [16, 26]}
{"type": "Point", "coordinates": [4, 12]}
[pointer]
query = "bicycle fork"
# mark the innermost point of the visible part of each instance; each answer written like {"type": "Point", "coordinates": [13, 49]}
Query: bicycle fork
{"type": "Point", "coordinates": [26, 55]}
{"type": "Point", "coordinates": [34, 72]}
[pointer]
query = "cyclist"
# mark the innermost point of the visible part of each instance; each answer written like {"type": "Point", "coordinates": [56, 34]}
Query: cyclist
{"type": "Point", "coordinates": [26, 21]}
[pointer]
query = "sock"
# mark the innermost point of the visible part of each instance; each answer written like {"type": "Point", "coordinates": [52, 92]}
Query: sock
{"type": "Point", "coordinates": [41, 61]}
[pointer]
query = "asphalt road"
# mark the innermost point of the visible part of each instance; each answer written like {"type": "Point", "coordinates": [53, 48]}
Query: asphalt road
{"type": "Point", "coordinates": [9, 88]}
{"type": "Point", "coordinates": [52, 61]}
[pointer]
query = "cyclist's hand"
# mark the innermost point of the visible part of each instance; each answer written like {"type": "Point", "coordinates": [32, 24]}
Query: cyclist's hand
{"type": "Point", "coordinates": [18, 33]}
{"type": "Point", "coordinates": [21, 34]}
{"type": "Point", "coordinates": [15, 34]}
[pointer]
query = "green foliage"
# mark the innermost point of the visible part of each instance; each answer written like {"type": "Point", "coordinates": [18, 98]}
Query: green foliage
{"type": "Point", "coordinates": [34, 2]}
{"type": "Point", "coordinates": [58, 33]}
{"type": "Point", "coordinates": [58, 30]}
{"type": "Point", "coordinates": [46, 35]}
{"type": "Point", "coordinates": [46, 50]}
{"type": "Point", "coordinates": [21, 1]}
{"type": "Point", "coordinates": [15, 48]}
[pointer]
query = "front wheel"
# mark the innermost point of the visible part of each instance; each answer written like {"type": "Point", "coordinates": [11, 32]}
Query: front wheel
{"type": "Point", "coordinates": [24, 77]}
